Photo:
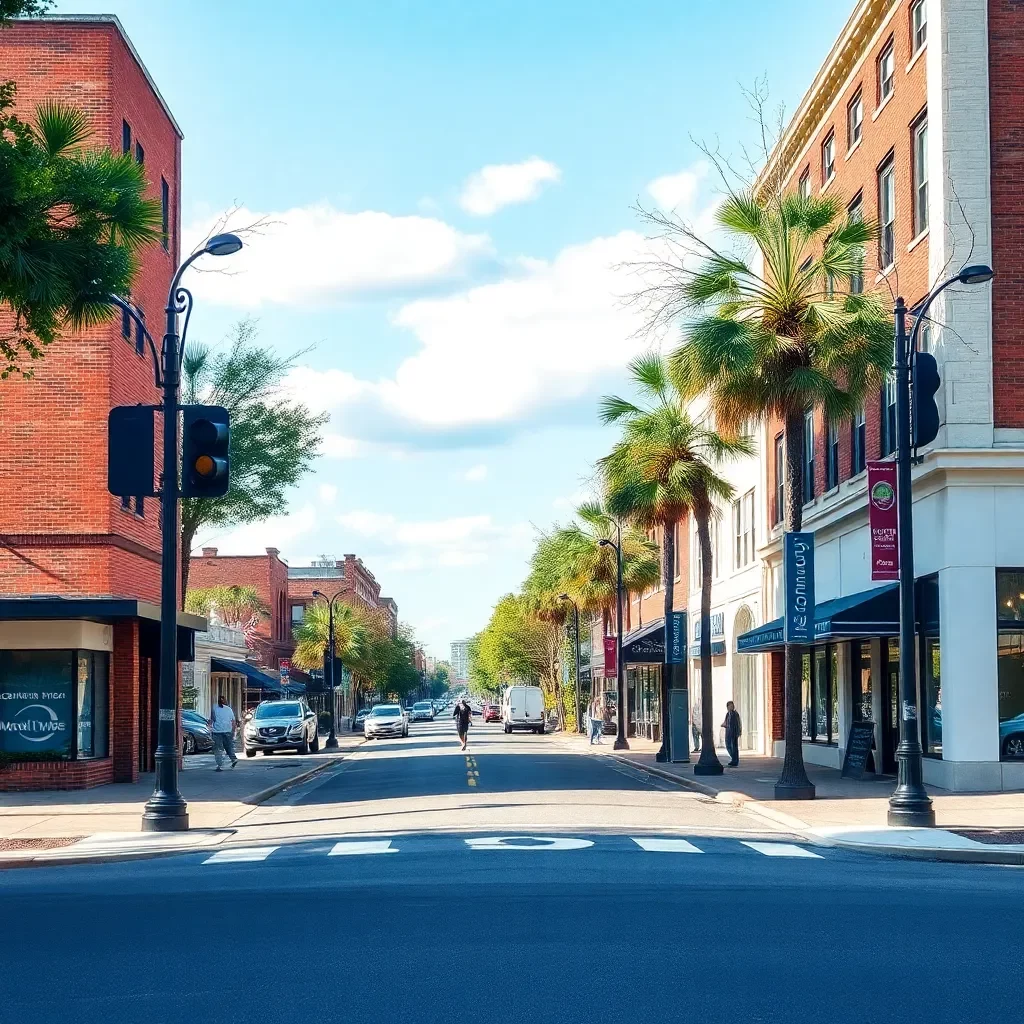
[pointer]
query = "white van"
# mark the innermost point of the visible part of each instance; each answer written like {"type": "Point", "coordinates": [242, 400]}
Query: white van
{"type": "Point", "coordinates": [522, 707]}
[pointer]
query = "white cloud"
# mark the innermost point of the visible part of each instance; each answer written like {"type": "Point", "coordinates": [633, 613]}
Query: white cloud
{"type": "Point", "coordinates": [475, 473]}
{"type": "Point", "coordinates": [254, 538]}
{"type": "Point", "coordinates": [675, 191]}
{"type": "Point", "coordinates": [498, 185]}
{"type": "Point", "coordinates": [328, 493]}
{"type": "Point", "coordinates": [414, 545]}
{"type": "Point", "coordinates": [318, 253]}
{"type": "Point", "coordinates": [570, 502]}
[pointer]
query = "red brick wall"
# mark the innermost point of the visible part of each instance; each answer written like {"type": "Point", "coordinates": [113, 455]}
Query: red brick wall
{"type": "Point", "coordinates": [1006, 114]}
{"type": "Point", "coordinates": [777, 695]}
{"type": "Point", "coordinates": [124, 704]}
{"type": "Point", "coordinates": [33, 775]}
{"type": "Point", "coordinates": [62, 532]}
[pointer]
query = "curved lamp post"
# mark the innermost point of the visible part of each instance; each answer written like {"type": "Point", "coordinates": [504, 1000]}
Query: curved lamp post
{"type": "Point", "coordinates": [332, 739]}
{"type": "Point", "coordinates": [910, 803]}
{"type": "Point", "coordinates": [166, 810]}
{"type": "Point", "coordinates": [621, 743]}
{"type": "Point", "coordinates": [576, 631]}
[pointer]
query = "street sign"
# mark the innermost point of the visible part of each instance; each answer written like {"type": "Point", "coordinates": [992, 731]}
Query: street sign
{"type": "Point", "coordinates": [858, 746]}
{"type": "Point", "coordinates": [883, 519]}
{"type": "Point", "coordinates": [675, 639]}
{"type": "Point", "coordinates": [798, 572]}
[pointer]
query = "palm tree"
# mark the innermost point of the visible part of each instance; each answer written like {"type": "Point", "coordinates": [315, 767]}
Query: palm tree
{"type": "Point", "coordinates": [774, 338]}
{"type": "Point", "coordinates": [660, 471]}
{"type": "Point", "coordinates": [235, 606]}
{"type": "Point", "coordinates": [352, 637]}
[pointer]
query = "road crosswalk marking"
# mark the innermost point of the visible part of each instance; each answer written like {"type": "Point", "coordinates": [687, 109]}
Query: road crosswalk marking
{"type": "Point", "coordinates": [666, 845]}
{"type": "Point", "coordinates": [351, 849]}
{"type": "Point", "coordinates": [781, 849]}
{"type": "Point", "coordinates": [241, 855]}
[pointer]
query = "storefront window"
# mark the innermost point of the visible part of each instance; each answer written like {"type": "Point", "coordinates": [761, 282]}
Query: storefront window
{"type": "Point", "coordinates": [92, 704]}
{"type": "Point", "coordinates": [822, 693]}
{"type": "Point", "coordinates": [861, 680]}
{"type": "Point", "coordinates": [806, 716]}
{"type": "Point", "coordinates": [820, 713]}
{"type": "Point", "coordinates": [932, 698]}
{"type": "Point", "coordinates": [834, 664]}
{"type": "Point", "coordinates": [1011, 696]}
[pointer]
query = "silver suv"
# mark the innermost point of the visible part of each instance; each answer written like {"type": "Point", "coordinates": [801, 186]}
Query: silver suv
{"type": "Point", "coordinates": [281, 725]}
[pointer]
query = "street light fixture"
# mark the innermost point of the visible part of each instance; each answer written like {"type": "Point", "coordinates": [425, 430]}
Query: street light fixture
{"type": "Point", "coordinates": [332, 738]}
{"type": "Point", "coordinates": [621, 743]}
{"type": "Point", "coordinates": [576, 631]}
{"type": "Point", "coordinates": [166, 810]}
{"type": "Point", "coordinates": [910, 803]}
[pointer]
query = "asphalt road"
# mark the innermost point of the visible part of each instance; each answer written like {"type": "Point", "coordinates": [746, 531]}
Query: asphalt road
{"type": "Point", "coordinates": [567, 924]}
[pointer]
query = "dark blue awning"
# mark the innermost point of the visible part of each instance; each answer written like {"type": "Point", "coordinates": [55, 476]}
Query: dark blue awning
{"type": "Point", "coordinates": [869, 613]}
{"type": "Point", "coordinates": [717, 649]}
{"type": "Point", "coordinates": [257, 679]}
{"type": "Point", "coordinates": [646, 645]}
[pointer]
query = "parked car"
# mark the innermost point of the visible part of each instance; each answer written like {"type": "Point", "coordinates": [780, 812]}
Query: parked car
{"type": "Point", "coordinates": [281, 725]}
{"type": "Point", "coordinates": [385, 720]}
{"type": "Point", "coordinates": [1011, 737]}
{"type": "Point", "coordinates": [422, 710]}
{"type": "Point", "coordinates": [492, 713]}
{"type": "Point", "coordinates": [357, 722]}
{"type": "Point", "coordinates": [196, 737]}
{"type": "Point", "coordinates": [522, 707]}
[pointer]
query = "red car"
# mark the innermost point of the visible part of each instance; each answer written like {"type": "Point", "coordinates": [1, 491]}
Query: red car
{"type": "Point", "coordinates": [492, 713]}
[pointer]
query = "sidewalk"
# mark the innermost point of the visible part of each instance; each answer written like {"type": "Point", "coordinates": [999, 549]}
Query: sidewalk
{"type": "Point", "coordinates": [986, 827]}
{"type": "Point", "coordinates": [51, 819]}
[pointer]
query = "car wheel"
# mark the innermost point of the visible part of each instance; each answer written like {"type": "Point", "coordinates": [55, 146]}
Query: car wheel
{"type": "Point", "coordinates": [1014, 746]}
{"type": "Point", "coordinates": [315, 745]}
{"type": "Point", "coordinates": [250, 753]}
{"type": "Point", "coordinates": [188, 745]}
{"type": "Point", "coordinates": [303, 747]}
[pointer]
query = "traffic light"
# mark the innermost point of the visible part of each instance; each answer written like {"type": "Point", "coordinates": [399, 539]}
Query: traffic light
{"type": "Point", "coordinates": [130, 451]}
{"type": "Point", "coordinates": [925, 413]}
{"type": "Point", "coordinates": [205, 465]}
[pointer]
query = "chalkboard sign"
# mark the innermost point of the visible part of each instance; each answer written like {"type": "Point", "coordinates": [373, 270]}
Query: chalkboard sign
{"type": "Point", "coordinates": [858, 746]}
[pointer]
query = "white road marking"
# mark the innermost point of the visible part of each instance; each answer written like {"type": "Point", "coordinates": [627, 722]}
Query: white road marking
{"type": "Point", "coordinates": [781, 849]}
{"type": "Point", "coordinates": [665, 845]}
{"type": "Point", "coordinates": [531, 843]}
{"type": "Point", "coordinates": [350, 849]}
{"type": "Point", "coordinates": [243, 853]}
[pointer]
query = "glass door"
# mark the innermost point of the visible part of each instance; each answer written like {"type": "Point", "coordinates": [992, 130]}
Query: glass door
{"type": "Point", "coordinates": [890, 707]}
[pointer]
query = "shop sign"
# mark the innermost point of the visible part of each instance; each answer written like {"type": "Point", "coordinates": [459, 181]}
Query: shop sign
{"type": "Point", "coordinates": [883, 518]}
{"type": "Point", "coordinates": [676, 638]}
{"type": "Point", "coordinates": [35, 717]}
{"type": "Point", "coordinates": [717, 626]}
{"type": "Point", "coordinates": [610, 659]}
{"type": "Point", "coordinates": [286, 670]}
{"type": "Point", "coordinates": [798, 572]}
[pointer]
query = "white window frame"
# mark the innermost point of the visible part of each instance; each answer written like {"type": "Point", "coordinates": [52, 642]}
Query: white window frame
{"type": "Point", "coordinates": [828, 157]}
{"type": "Point", "coordinates": [887, 214]}
{"type": "Point", "coordinates": [918, 25]}
{"type": "Point", "coordinates": [887, 58]}
{"type": "Point", "coordinates": [920, 169]}
{"type": "Point", "coordinates": [855, 126]}
{"type": "Point", "coordinates": [803, 184]}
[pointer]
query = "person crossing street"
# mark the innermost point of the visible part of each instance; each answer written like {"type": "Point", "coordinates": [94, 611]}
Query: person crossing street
{"type": "Point", "coordinates": [222, 724]}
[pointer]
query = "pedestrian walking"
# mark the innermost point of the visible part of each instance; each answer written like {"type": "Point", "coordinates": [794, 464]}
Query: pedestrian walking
{"type": "Point", "coordinates": [695, 723]}
{"type": "Point", "coordinates": [596, 721]}
{"type": "Point", "coordinates": [222, 724]}
{"type": "Point", "coordinates": [733, 731]}
{"type": "Point", "coordinates": [463, 715]}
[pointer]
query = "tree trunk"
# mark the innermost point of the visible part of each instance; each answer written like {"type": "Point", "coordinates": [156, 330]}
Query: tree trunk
{"type": "Point", "coordinates": [707, 763]}
{"type": "Point", "coordinates": [668, 582]}
{"type": "Point", "coordinates": [793, 784]}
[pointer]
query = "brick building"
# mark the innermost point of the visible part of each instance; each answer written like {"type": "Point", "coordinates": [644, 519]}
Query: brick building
{"type": "Point", "coordinates": [357, 585]}
{"type": "Point", "coordinates": [914, 120]}
{"type": "Point", "coordinates": [79, 569]}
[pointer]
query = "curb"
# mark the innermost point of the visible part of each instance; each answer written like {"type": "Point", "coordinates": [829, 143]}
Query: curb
{"type": "Point", "coordinates": [801, 828]}
{"type": "Point", "coordinates": [254, 800]}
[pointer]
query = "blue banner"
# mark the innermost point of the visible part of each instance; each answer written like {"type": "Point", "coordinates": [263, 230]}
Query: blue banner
{"type": "Point", "coordinates": [798, 585]}
{"type": "Point", "coordinates": [676, 645]}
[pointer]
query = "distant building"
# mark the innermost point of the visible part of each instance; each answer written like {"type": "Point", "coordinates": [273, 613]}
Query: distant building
{"type": "Point", "coordinates": [358, 586]}
{"type": "Point", "coordinates": [460, 661]}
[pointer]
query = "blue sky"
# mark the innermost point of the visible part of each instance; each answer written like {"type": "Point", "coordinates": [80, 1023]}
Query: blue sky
{"type": "Point", "coordinates": [449, 189]}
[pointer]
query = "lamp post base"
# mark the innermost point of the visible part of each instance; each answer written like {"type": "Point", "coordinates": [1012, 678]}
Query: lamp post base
{"type": "Point", "coordinates": [162, 815]}
{"type": "Point", "coordinates": [785, 791]}
{"type": "Point", "coordinates": [620, 744]}
{"type": "Point", "coordinates": [662, 755]}
{"type": "Point", "coordinates": [912, 817]}
{"type": "Point", "coordinates": [332, 742]}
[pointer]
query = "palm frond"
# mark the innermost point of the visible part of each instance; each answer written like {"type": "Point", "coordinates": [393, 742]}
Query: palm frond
{"type": "Point", "coordinates": [60, 127]}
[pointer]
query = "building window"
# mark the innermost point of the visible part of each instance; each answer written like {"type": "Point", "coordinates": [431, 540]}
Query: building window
{"type": "Point", "coordinates": [855, 119]}
{"type": "Point", "coordinates": [165, 215]}
{"type": "Point", "coordinates": [886, 72]}
{"type": "Point", "coordinates": [889, 415]}
{"type": "Point", "coordinates": [886, 215]}
{"type": "Point", "coordinates": [855, 213]}
{"type": "Point", "coordinates": [828, 158]}
{"type": "Point", "coordinates": [54, 704]}
{"type": "Point", "coordinates": [820, 714]}
{"type": "Point", "coordinates": [918, 25]}
{"type": "Point", "coordinates": [932, 683]}
{"type": "Point", "coordinates": [808, 455]}
{"type": "Point", "coordinates": [920, 170]}
{"type": "Point", "coordinates": [743, 530]}
{"type": "Point", "coordinates": [780, 478]}
{"type": "Point", "coordinates": [298, 614]}
{"type": "Point", "coordinates": [716, 544]}
{"type": "Point", "coordinates": [804, 185]}
{"type": "Point", "coordinates": [140, 153]}
{"type": "Point", "coordinates": [832, 456]}
{"type": "Point", "coordinates": [140, 337]}
{"type": "Point", "coordinates": [126, 138]}
{"type": "Point", "coordinates": [126, 325]}
{"type": "Point", "coordinates": [924, 337]}
{"type": "Point", "coordinates": [1010, 670]}
{"type": "Point", "coordinates": [696, 561]}
{"type": "Point", "coordinates": [858, 441]}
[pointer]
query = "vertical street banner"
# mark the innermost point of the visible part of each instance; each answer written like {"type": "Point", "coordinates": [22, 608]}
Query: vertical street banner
{"type": "Point", "coordinates": [883, 518]}
{"type": "Point", "coordinates": [798, 581]}
{"type": "Point", "coordinates": [611, 663]}
{"type": "Point", "coordinates": [675, 639]}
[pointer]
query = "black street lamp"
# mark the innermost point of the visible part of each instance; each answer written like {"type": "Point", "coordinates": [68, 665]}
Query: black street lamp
{"type": "Point", "coordinates": [332, 738]}
{"type": "Point", "coordinates": [621, 743]}
{"type": "Point", "coordinates": [910, 803]}
{"type": "Point", "coordinates": [166, 810]}
{"type": "Point", "coordinates": [576, 632]}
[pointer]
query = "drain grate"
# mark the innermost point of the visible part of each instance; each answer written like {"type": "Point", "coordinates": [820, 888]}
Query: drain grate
{"type": "Point", "coordinates": [37, 843]}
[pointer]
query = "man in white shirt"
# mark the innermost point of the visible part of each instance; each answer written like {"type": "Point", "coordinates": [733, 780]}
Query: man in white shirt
{"type": "Point", "coordinates": [222, 724]}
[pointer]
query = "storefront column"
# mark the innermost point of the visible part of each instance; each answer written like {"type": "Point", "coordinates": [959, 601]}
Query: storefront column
{"type": "Point", "coordinates": [969, 673]}
{"type": "Point", "coordinates": [124, 707]}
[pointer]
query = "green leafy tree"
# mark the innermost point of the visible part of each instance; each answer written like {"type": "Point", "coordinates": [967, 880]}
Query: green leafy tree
{"type": "Point", "coordinates": [274, 439]}
{"type": "Point", "coordinates": [234, 605]}
{"type": "Point", "coordinates": [662, 470]}
{"type": "Point", "coordinates": [352, 637]}
{"type": "Point", "coordinates": [72, 221]}
{"type": "Point", "coordinates": [780, 334]}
